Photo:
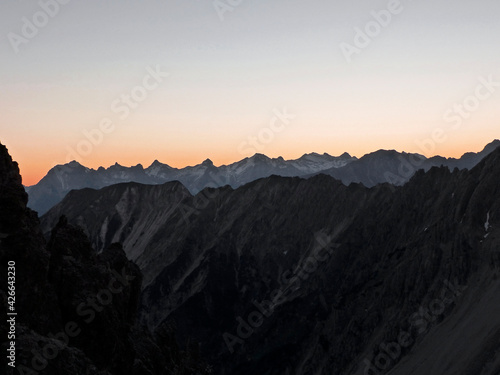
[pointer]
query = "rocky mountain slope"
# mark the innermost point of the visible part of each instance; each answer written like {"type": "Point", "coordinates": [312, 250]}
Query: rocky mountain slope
{"type": "Point", "coordinates": [310, 276]}
{"type": "Point", "coordinates": [76, 310]}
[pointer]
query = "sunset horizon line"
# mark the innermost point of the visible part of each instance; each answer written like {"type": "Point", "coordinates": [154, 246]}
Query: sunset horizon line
{"type": "Point", "coordinates": [227, 161]}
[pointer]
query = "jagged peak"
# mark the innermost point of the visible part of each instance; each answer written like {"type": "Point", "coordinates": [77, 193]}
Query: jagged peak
{"type": "Point", "coordinates": [119, 166]}
{"type": "Point", "coordinates": [259, 156]}
{"type": "Point", "coordinates": [208, 163]}
{"type": "Point", "coordinates": [9, 169]}
{"type": "Point", "coordinates": [325, 155]}
{"type": "Point", "coordinates": [493, 158]}
{"type": "Point", "coordinates": [74, 163]}
{"type": "Point", "coordinates": [71, 164]}
{"type": "Point", "coordinates": [305, 156]}
{"type": "Point", "coordinates": [156, 163]}
{"type": "Point", "coordinates": [492, 145]}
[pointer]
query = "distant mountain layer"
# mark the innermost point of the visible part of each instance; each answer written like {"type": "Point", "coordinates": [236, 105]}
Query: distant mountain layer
{"type": "Point", "coordinates": [310, 276]}
{"type": "Point", "coordinates": [64, 178]}
{"type": "Point", "coordinates": [397, 168]}
{"type": "Point", "coordinates": [378, 167]}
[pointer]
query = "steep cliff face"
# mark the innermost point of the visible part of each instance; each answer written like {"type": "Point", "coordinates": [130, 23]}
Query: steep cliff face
{"type": "Point", "coordinates": [118, 213]}
{"type": "Point", "coordinates": [76, 309]}
{"type": "Point", "coordinates": [294, 276]}
{"type": "Point", "coordinates": [21, 241]}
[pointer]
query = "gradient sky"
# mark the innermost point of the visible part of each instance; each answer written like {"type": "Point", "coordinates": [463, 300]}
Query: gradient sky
{"type": "Point", "coordinates": [228, 77]}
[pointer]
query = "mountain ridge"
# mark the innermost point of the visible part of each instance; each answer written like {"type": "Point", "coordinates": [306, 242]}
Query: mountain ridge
{"type": "Point", "coordinates": [377, 167]}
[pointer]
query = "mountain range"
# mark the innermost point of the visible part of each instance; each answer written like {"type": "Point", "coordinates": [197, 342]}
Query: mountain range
{"type": "Point", "coordinates": [377, 167]}
{"type": "Point", "coordinates": [299, 276]}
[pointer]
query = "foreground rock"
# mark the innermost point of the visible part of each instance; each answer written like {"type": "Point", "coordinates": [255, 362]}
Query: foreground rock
{"type": "Point", "coordinates": [77, 310]}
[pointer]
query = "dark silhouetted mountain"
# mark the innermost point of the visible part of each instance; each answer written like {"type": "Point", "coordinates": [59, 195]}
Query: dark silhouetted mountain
{"type": "Point", "coordinates": [468, 160]}
{"type": "Point", "coordinates": [397, 168]}
{"type": "Point", "coordinates": [76, 310]}
{"type": "Point", "coordinates": [400, 277]}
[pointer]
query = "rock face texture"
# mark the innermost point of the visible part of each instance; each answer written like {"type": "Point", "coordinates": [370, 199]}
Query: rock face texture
{"type": "Point", "coordinates": [310, 276]}
{"type": "Point", "coordinates": [77, 310]}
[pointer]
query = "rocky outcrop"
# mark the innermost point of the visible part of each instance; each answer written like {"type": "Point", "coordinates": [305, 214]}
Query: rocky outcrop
{"type": "Point", "coordinates": [76, 310]}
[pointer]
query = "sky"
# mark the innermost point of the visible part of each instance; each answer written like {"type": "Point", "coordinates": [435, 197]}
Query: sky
{"type": "Point", "coordinates": [181, 81]}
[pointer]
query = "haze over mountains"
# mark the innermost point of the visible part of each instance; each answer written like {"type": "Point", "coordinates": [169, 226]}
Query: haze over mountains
{"type": "Point", "coordinates": [374, 168]}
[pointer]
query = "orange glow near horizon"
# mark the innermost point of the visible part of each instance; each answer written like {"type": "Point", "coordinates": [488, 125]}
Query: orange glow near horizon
{"type": "Point", "coordinates": [171, 82]}
{"type": "Point", "coordinates": [34, 167]}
